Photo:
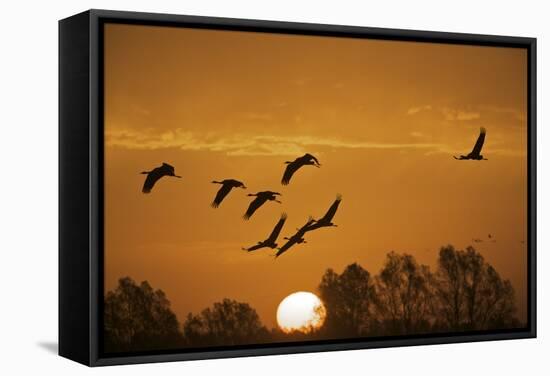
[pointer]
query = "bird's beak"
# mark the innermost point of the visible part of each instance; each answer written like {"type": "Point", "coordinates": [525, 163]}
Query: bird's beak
{"type": "Point", "coordinates": [243, 187]}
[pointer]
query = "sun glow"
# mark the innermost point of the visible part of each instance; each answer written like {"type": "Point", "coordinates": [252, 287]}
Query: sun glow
{"type": "Point", "coordinates": [301, 311]}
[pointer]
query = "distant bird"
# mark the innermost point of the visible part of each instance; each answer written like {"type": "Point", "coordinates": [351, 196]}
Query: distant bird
{"type": "Point", "coordinates": [226, 187]}
{"type": "Point", "coordinates": [326, 221]}
{"type": "Point", "coordinates": [306, 159]}
{"type": "Point", "coordinates": [155, 174]}
{"type": "Point", "coordinates": [261, 198]}
{"type": "Point", "coordinates": [475, 154]}
{"type": "Point", "coordinates": [489, 236]}
{"type": "Point", "coordinates": [297, 238]}
{"type": "Point", "coordinates": [271, 241]}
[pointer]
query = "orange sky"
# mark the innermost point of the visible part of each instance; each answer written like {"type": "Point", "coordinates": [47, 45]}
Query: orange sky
{"type": "Point", "coordinates": [383, 117]}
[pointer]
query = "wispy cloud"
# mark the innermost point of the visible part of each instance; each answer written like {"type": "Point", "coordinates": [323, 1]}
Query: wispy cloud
{"type": "Point", "coordinates": [417, 134]}
{"type": "Point", "coordinates": [471, 113]}
{"type": "Point", "coordinates": [452, 114]}
{"type": "Point", "coordinates": [415, 110]}
{"type": "Point", "coordinates": [242, 144]}
{"type": "Point", "coordinates": [516, 114]}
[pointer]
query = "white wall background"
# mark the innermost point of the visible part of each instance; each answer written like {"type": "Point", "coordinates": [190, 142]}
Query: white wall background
{"type": "Point", "coordinates": [28, 185]}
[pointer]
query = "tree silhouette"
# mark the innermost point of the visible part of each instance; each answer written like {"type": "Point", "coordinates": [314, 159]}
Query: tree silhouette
{"type": "Point", "coordinates": [471, 294]}
{"type": "Point", "coordinates": [465, 293]}
{"type": "Point", "coordinates": [226, 323]}
{"type": "Point", "coordinates": [405, 295]}
{"type": "Point", "coordinates": [349, 300]}
{"type": "Point", "coordinates": [138, 318]}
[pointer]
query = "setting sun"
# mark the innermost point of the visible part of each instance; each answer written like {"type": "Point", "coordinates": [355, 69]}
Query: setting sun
{"type": "Point", "coordinates": [301, 311]}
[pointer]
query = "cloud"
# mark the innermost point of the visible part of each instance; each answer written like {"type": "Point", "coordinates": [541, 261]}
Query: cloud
{"type": "Point", "coordinates": [516, 114]}
{"type": "Point", "coordinates": [415, 110]}
{"type": "Point", "coordinates": [474, 113]}
{"type": "Point", "coordinates": [451, 114]}
{"type": "Point", "coordinates": [242, 144]}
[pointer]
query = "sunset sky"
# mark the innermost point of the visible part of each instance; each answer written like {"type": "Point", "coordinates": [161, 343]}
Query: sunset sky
{"type": "Point", "coordinates": [384, 119]}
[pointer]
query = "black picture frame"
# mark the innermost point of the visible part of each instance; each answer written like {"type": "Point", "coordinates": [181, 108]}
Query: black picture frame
{"type": "Point", "coordinates": [81, 182]}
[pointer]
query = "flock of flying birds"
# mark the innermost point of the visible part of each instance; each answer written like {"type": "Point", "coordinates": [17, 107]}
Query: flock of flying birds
{"type": "Point", "coordinates": [260, 198]}
{"type": "Point", "coordinates": [264, 196]}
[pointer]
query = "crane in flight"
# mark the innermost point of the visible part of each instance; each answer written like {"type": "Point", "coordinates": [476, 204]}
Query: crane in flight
{"type": "Point", "coordinates": [270, 242]}
{"type": "Point", "coordinates": [326, 221]}
{"type": "Point", "coordinates": [155, 174]}
{"type": "Point", "coordinates": [292, 167]}
{"type": "Point", "coordinates": [297, 238]}
{"type": "Point", "coordinates": [261, 198]}
{"type": "Point", "coordinates": [475, 154]}
{"type": "Point", "coordinates": [227, 186]}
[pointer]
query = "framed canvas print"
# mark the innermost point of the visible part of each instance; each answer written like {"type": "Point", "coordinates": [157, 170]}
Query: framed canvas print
{"type": "Point", "coordinates": [237, 187]}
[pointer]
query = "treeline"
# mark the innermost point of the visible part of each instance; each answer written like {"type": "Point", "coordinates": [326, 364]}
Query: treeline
{"type": "Point", "coordinates": [464, 293]}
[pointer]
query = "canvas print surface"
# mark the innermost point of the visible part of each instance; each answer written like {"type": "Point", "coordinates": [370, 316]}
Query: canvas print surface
{"type": "Point", "coordinates": [268, 188]}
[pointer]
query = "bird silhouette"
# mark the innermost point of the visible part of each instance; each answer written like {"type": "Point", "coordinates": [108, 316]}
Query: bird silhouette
{"type": "Point", "coordinates": [270, 242]}
{"type": "Point", "coordinates": [155, 174]}
{"type": "Point", "coordinates": [261, 198]}
{"type": "Point", "coordinates": [227, 186]}
{"type": "Point", "coordinates": [297, 238]}
{"type": "Point", "coordinates": [475, 154]}
{"type": "Point", "coordinates": [326, 221]}
{"type": "Point", "coordinates": [292, 167]}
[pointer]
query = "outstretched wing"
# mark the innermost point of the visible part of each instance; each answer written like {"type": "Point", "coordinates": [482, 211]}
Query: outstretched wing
{"type": "Point", "coordinates": [254, 205]}
{"type": "Point", "coordinates": [222, 192]}
{"type": "Point", "coordinates": [479, 143]}
{"type": "Point", "coordinates": [277, 230]}
{"type": "Point", "coordinates": [311, 157]}
{"type": "Point", "coordinates": [307, 227]}
{"type": "Point", "coordinates": [332, 210]}
{"type": "Point", "coordinates": [286, 246]}
{"type": "Point", "coordinates": [151, 179]}
{"type": "Point", "coordinates": [291, 168]}
{"type": "Point", "coordinates": [254, 247]}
